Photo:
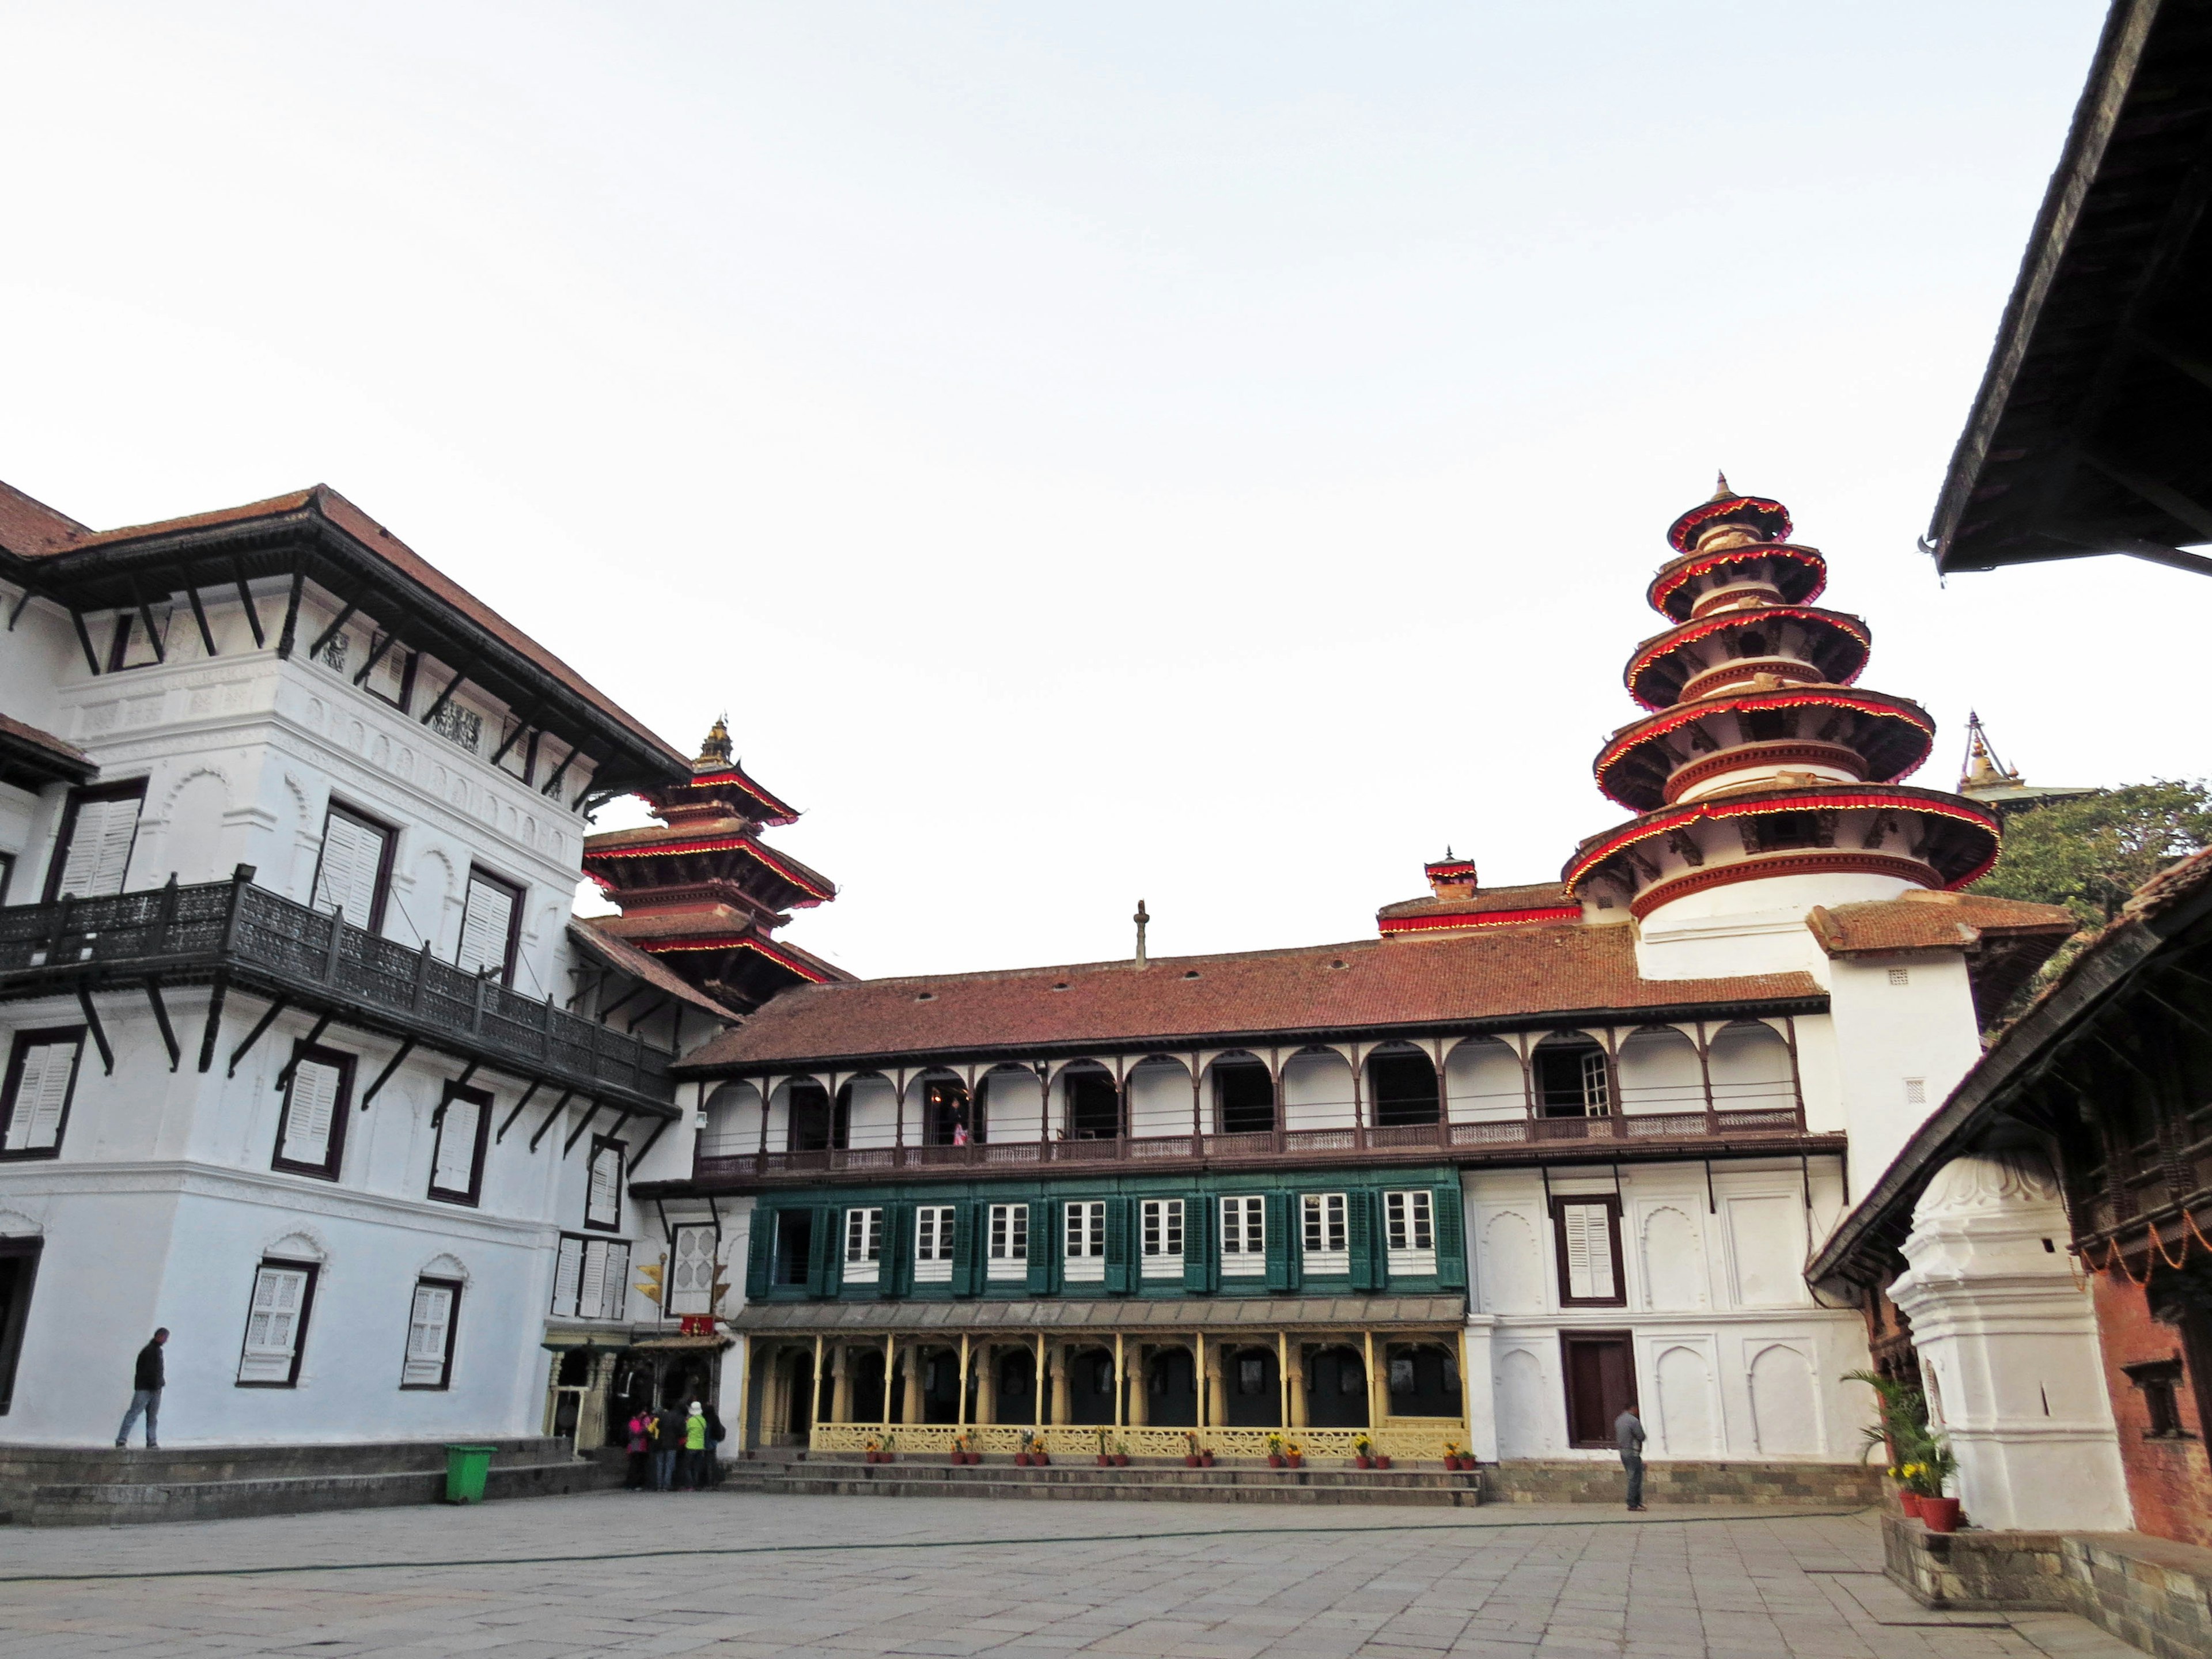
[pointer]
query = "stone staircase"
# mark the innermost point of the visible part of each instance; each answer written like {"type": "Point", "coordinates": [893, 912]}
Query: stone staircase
{"type": "Point", "coordinates": [67, 1486]}
{"type": "Point", "coordinates": [825, 1475]}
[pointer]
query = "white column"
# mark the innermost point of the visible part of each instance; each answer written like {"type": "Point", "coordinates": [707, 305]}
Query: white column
{"type": "Point", "coordinates": [1478, 1386]}
{"type": "Point", "coordinates": [2007, 1343]}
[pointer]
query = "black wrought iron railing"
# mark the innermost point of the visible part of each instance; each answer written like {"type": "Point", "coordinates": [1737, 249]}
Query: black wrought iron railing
{"type": "Point", "coordinates": [252, 935]}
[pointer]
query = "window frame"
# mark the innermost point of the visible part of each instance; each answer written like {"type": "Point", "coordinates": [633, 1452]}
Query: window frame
{"type": "Point", "coordinates": [584, 1243]}
{"type": "Point", "coordinates": [340, 1113]}
{"type": "Point", "coordinates": [1154, 1221]}
{"type": "Point", "coordinates": [1082, 1227]}
{"type": "Point", "coordinates": [7, 874]}
{"type": "Point", "coordinates": [867, 1267]}
{"type": "Point", "coordinates": [126, 627]}
{"type": "Point", "coordinates": [377, 635]}
{"type": "Point", "coordinates": [1248, 1259]}
{"type": "Point", "coordinates": [1005, 1227]}
{"type": "Point", "coordinates": [713, 1254]}
{"type": "Point", "coordinates": [1314, 1219]}
{"type": "Point", "coordinates": [1610, 1203]}
{"type": "Point", "coordinates": [26, 1251]}
{"type": "Point", "coordinates": [129, 789]}
{"type": "Point", "coordinates": [1420, 1212]}
{"type": "Point", "coordinates": [313, 1272]}
{"type": "Point", "coordinates": [390, 834]}
{"type": "Point", "coordinates": [520, 894]}
{"type": "Point", "coordinates": [445, 1381]}
{"type": "Point", "coordinates": [601, 1144]}
{"type": "Point", "coordinates": [482, 1098]}
{"type": "Point", "coordinates": [19, 1056]}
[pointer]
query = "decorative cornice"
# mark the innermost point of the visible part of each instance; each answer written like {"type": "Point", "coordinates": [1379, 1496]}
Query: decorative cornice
{"type": "Point", "coordinates": [1758, 615]}
{"type": "Point", "coordinates": [1768, 865]}
{"type": "Point", "coordinates": [1672, 577]}
{"type": "Point", "coordinates": [1438, 921]}
{"type": "Point", "coordinates": [1779, 751]}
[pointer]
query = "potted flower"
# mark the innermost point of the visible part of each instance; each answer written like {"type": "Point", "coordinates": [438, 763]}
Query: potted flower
{"type": "Point", "coordinates": [1362, 1452]}
{"type": "Point", "coordinates": [1456, 1457]}
{"type": "Point", "coordinates": [1122, 1454]}
{"type": "Point", "coordinates": [1382, 1459]}
{"type": "Point", "coordinates": [1024, 1455]}
{"type": "Point", "coordinates": [1294, 1455]}
{"type": "Point", "coordinates": [1206, 1457]}
{"type": "Point", "coordinates": [1275, 1451]}
{"type": "Point", "coordinates": [1105, 1454]}
{"type": "Point", "coordinates": [1190, 1455]}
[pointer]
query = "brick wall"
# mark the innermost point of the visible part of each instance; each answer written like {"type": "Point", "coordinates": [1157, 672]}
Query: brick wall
{"type": "Point", "coordinates": [2169, 1482]}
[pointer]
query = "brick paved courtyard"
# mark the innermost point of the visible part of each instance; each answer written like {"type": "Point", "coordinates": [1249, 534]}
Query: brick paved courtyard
{"type": "Point", "coordinates": [776, 1575]}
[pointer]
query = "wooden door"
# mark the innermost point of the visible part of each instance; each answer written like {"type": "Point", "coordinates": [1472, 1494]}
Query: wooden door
{"type": "Point", "coordinates": [1600, 1373]}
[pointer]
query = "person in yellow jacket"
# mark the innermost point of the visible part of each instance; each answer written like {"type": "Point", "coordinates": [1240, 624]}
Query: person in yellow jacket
{"type": "Point", "coordinates": [694, 1478]}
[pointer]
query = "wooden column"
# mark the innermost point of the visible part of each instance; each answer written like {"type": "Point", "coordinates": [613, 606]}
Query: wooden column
{"type": "Point", "coordinates": [986, 1384]}
{"type": "Point", "coordinates": [1198, 1377]}
{"type": "Point", "coordinates": [1282, 1378]}
{"type": "Point", "coordinates": [1059, 1385]}
{"type": "Point", "coordinates": [1217, 1403]}
{"type": "Point", "coordinates": [891, 1359]}
{"type": "Point", "coordinates": [1039, 1383]}
{"type": "Point", "coordinates": [1298, 1391]}
{"type": "Point", "coordinates": [1377, 1410]}
{"type": "Point", "coordinates": [1121, 1382]}
{"type": "Point", "coordinates": [814, 1388]}
{"type": "Point", "coordinates": [913, 1405]}
{"type": "Point", "coordinates": [1139, 1413]}
{"type": "Point", "coordinates": [841, 1393]}
{"type": "Point", "coordinates": [960, 1387]}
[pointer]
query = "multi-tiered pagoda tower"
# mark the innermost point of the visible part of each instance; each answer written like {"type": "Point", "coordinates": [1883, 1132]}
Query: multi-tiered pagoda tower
{"type": "Point", "coordinates": [702, 892]}
{"type": "Point", "coordinates": [1765, 780]}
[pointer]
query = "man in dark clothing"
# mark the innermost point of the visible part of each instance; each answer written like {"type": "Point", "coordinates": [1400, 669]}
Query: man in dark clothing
{"type": "Point", "coordinates": [146, 1381]}
{"type": "Point", "coordinates": [667, 1443]}
{"type": "Point", "coordinates": [1628, 1429]}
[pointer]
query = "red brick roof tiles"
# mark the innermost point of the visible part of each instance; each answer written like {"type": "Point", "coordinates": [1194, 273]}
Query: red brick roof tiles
{"type": "Point", "coordinates": [1534, 896]}
{"type": "Point", "coordinates": [1371, 984]}
{"type": "Point", "coordinates": [1926, 921]}
{"type": "Point", "coordinates": [591, 938]}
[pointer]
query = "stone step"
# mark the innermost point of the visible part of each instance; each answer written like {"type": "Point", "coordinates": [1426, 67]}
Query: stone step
{"type": "Point", "coordinates": [1673, 1480]}
{"type": "Point", "coordinates": [848, 1477]}
{"type": "Point", "coordinates": [21, 1464]}
{"type": "Point", "coordinates": [261, 1483]}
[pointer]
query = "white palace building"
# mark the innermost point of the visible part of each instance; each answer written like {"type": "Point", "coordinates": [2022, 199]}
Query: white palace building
{"type": "Point", "coordinates": [308, 1060]}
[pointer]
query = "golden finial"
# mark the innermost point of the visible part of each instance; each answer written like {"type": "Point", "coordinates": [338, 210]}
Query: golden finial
{"type": "Point", "coordinates": [1721, 490]}
{"type": "Point", "coordinates": [716, 750]}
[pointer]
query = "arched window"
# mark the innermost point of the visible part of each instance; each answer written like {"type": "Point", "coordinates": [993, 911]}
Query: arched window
{"type": "Point", "coordinates": [1401, 1081]}
{"type": "Point", "coordinates": [1572, 1079]}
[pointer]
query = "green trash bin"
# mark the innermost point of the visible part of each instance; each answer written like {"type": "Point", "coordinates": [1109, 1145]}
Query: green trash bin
{"type": "Point", "coordinates": [465, 1468]}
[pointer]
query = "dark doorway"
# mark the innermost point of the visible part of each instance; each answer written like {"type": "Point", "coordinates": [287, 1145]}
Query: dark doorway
{"type": "Point", "coordinates": [1336, 1390]}
{"type": "Point", "coordinates": [799, 1411]}
{"type": "Point", "coordinates": [941, 1385]}
{"type": "Point", "coordinates": [1018, 1386]}
{"type": "Point", "coordinates": [575, 1371]}
{"type": "Point", "coordinates": [1253, 1384]}
{"type": "Point", "coordinates": [813, 1127]}
{"type": "Point", "coordinates": [867, 1403]}
{"type": "Point", "coordinates": [1171, 1390]}
{"type": "Point", "coordinates": [1424, 1383]}
{"type": "Point", "coordinates": [1404, 1089]}
{"type": "Point", "coordinates": [1091, 1386]}
{"type": "Point", "coordinates": [1243, 1097]}
{"type": "Point", "coordinates": [1571, 1079]}
{"type": "Point", "coordinates": [1094, 1105]}
{"type": "Point", "coordinates": [19, 1265]}
{"type": "Point", "coordinates": [1601, 1384]}
{"type": "Point", "coordinates": [795, 1242]}
{"type": "Point", "coordinates": [945, 1116]}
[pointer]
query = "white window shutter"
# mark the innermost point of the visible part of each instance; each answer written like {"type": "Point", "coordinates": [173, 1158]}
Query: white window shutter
{"type": "Point", "coordinates": [603, 1202]}
{"type": "Point", "coordinates": [615, 1293]}
{"type": "Point", "coordinates": [456, 1146]}
{"type": "Point", "coordinates": [272, 1325]}
{"type": "Point", "coordinates": [353, 856]}
{"type": "Point", "coordinates": [691, 1271]}
{"type": "Point", "coordinates": [568, 1272]}
{"type": "Point", "coordinates": [485, 924]}
{"type": "Point", "coordinates": [1590, 1251]}
{"type": "Point", "coordinates": [307, 1117]}
{"type": "Point", "coordinates": [35, 1122]}
{"type": "Point", "coordinates": [99, 847]}
{"type": "Point", "coordinates": [428, 1323]}
{"type": "Point", "coordinates": [593, 1289]}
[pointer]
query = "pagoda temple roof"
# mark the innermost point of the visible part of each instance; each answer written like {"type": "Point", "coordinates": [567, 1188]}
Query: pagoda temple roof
{"type": "Point", "coordinates": [1555, 974]}
{"type": "Point", "coordinates": [715, 835]}
{"type": "Point", "coordinates": [591, 938]}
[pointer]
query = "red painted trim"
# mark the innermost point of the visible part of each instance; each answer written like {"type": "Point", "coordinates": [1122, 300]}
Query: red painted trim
{"type": "Point", "coordinates": [1874, 705]}
{"type": "Point", "coordinates": [1682, 531]}
{"type": "Point", "coordinates": [713, 844]}
{"type": "Point", "coordinates": [1770, 751]}
{"type": "Point", "coordinates": [1664, 585]}
{"type": "Point", "coordinates": [1479, 919]}
{"type": "Point", "coordinates": [1663, 823]}
{"type": "Point", "coordinates": [661, 947]}
{"type": "Point", "coordinates": [1690, 632]}
{"type": "Point", "coordinates": [700, 780]}
{"type": "Point", "coordinates": [1802, 863]}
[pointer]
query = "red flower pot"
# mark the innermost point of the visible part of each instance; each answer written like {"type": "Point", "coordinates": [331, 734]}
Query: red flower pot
{"type": "Point", "coordinates": [1940, 1514]}
{"type": "Point", "coordinates": [1205, 1460]}
{"type": "Point", "coordinates": [1361, 1461]}
{"type": "Point", "coordinates": [1299, 1462]}
{"type": "Point", "coordinates": [1274, 1460]}
{"type": "Point", "coordinates": [1121, 1459]}
{"type": "Point", "coordinates": [1909, 1501]}
{"type": "Point", "coordinates": [1380, 1462]}
{"type": "Point", "coordinates": [1040, 1459]}
{"type": "Point", "coordinates": [1021, 1459]}
{"type": "Point", "coordinates": [1105, 1460]}
{"type": "Point", "coordinates": [1190, 1461]}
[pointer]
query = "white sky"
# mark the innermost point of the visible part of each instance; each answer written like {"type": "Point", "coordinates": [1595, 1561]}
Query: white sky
{"type": "Point", "coordinates": [1209, 453]}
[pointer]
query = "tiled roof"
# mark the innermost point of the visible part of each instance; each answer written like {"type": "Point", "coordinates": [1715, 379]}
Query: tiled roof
{"type": "Point", "coordinates": [68, 759]}
{"type": "Point", "coordinates": [703, 919]}
{"type": "Point", "coordinates": [1927, 921]}
{"type": "Point", "coordinates": [732, 835]}
{"type": "Point", "coordinates": [1534, 896]}
{"type": "Point", "coordinates": [1414, 981]}
{"type": "Point", "coordinates": [627, 959]}
{"type": "Point", "coordinates": [32, 531]}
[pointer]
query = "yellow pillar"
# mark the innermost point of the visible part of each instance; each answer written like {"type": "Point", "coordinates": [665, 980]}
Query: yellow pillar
{"type": "Point", "coordinates": [1298, 1382]}
{"type": "Point", "coordinates": [913, 1407]}
{"type": "Point", "coordinates": [1217, 1392]}
{"type": "Point", "coordinates": [1378, 1398]}
{"type": "Point", "coordinates": [1037, 1383]}
{"type": "Point", "coordinates": [814, 1399]}
{"type": "Point", "coordinates": [1139, 1405]}
{"type": "Point", "coordinates": [962, 1385]}
{"type": "Point", "coordinates": [1059, 1385]}
{"type": "Point", "coordinates": [891, 1359]}
{"type": "Point", "coordinates": [986, 1384]}
{"type": "Point", "coordinates": [841, 1392]}
{"type": "Point", "coordinates": [1283, 1377]}
{"type": "Point", "coordinates": [1198, 1379]}
{"type": "Point", "coordinates": [1121, 1380]}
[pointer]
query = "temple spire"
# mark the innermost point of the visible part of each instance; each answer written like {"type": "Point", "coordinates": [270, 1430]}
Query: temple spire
{"type": "Point", "coordinates": [1721, 490]}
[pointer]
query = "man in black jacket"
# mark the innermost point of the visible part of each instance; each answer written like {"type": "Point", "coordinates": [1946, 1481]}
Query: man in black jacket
{"type": "Point", "coordinates": [145, 1391]}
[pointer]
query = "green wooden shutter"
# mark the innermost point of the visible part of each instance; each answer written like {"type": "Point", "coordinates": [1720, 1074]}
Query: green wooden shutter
{"type": "Point", "coordinates": [896, 1270]}
{"type": "Point", "coordinates": [1045, 1244]}
{"type": "Point", "coordinates": [968, 1248]}
{"type": "Point", "coordinates": [1121, 1268]}
{"type": "Point", "coordinates": [1451, 1239]}
{"type": "Point", "coordinates": [818, 1242]}
{"type": "Point", "coordinates": [1359, 1223]}
{"type": "Point", "coordinates": [1278, 1240]}
{"type": "Point", "coordinates": [760, 1251]}
{"type": "Point", "coordinates": [1200, 1262]}
{"type": "Point", "coordinates": [833, 1269]}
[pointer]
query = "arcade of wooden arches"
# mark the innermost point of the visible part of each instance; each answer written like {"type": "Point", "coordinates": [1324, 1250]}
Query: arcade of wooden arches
{"type": "Point", "coordinates": [1404, 1390]}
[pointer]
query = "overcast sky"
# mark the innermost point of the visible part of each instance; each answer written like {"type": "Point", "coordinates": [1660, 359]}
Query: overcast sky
{"type": "Point", "coordinates": [1208, 452]}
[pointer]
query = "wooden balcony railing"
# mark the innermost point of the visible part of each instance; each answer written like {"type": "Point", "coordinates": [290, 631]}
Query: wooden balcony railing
{"type": "Point", "coordinates": [248, 936]}
{"type": "Point", "coordinates": [1603, 1136]}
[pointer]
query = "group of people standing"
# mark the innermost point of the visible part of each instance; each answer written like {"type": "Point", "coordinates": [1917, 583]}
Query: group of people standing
{"type": "Point", "coordinates": [672, 1449]}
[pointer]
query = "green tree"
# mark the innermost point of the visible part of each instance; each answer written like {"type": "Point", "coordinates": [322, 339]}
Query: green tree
{"type": "Point", "coordinates": [2089, 853]}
